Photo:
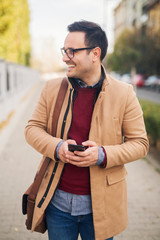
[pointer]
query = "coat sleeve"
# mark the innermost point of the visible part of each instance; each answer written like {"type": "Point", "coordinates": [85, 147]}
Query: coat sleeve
{"type": "Point", "coordinates": [36, 130]}
{"type": "Point", "coordinates": [135, 144]}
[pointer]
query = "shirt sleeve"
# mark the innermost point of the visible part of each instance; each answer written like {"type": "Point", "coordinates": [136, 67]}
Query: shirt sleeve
{"type": "Point", "coordinates": [56, 154]}
{"type": "Point", "coordinates": [102, 157]}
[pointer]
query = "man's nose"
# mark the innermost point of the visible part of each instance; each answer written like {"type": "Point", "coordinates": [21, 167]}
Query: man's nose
{"type": "Point", "coordinates": [65, 58]}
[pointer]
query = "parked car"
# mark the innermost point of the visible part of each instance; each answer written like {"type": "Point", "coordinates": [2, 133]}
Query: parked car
{"type": "Point", "coordinates": [126, 78]}
{"type": "Point", "coordinates": [138, 80]}
{"type": "Point", "coordinates": [151, 82]}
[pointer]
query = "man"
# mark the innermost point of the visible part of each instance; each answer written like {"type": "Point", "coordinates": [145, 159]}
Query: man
{"type": "Point", "coordinates": [87, 194]}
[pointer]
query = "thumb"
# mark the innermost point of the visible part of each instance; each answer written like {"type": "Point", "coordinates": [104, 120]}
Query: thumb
{"type": "Point", "coordinates": [89, 143]}
{"type": "Point", "coordinates": [70, 141]}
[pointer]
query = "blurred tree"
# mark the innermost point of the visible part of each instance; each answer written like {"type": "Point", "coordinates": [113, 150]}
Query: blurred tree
{"type": "Point", "coordinates": [133, 50]}
{"type": "Point", "coordinates": [14, 31]}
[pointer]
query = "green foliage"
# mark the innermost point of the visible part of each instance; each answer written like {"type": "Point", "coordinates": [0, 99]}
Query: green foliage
{"type": "Point", "coordinates": [14, 31]}
{"type": "Point", "coordinates": [134, 50]}
{"type": "Point", "coordinates": [151, 112]}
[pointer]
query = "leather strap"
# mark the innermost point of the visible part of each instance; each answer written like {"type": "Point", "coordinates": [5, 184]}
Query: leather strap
{"type": "Point", "coordinates": [58, 105]}
{"type": "Point", "coordinates": [56, 112]}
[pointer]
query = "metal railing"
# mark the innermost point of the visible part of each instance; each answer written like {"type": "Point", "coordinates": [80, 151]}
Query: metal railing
{"type": "Point", "coordinates": [15, 81]}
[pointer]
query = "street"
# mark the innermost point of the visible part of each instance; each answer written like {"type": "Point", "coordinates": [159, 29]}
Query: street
{"type": "Point", "coordinates": [149, 95]}
{"type": "Point", "coordinates": [19, 163]}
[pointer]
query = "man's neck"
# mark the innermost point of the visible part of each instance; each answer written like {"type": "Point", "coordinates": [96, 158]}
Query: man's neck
{"type": "Point", "coordinates": [93, 78]}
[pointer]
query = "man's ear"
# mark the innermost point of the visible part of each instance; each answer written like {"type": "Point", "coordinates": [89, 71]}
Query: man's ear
{"type": "Point", "coordinates": [96, 54]}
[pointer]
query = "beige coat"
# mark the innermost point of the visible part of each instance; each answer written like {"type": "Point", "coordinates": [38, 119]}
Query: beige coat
{"type": "Point", "coordinates": [117, 124]}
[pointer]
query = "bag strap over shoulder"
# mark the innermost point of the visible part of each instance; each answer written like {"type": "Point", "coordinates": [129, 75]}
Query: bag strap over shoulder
{"type": "Point", "coordinates": [58, 105]}
{"type": "Point", "coordinates": [57, 109]}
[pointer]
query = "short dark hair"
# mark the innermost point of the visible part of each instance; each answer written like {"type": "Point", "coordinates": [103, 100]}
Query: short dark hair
{"type": "Point", "coordinates": [94, 35]}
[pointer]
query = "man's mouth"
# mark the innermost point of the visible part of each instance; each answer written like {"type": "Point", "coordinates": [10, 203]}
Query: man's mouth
{"type": "Point", "coordinates": [70, 66]}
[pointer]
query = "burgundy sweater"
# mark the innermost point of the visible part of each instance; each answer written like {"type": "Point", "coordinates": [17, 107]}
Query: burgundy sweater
{"type": "Point", "coordinates": [75, 179]}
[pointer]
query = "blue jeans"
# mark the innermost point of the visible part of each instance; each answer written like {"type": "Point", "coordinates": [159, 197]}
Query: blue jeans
{"type": "Point", "coordinates": [63, 226]}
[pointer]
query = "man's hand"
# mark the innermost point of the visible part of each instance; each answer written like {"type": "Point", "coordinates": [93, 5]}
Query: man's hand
{"type": "Point", "coordinates": [63, 150]}
{"type": "Point", "coordinates": [86, 158]}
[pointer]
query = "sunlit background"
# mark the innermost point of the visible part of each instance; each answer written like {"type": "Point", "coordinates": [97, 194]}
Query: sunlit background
{"type": "Point", "coordinates": [33, 31]}
{"type": "Point", "coordinates": [49, 21]}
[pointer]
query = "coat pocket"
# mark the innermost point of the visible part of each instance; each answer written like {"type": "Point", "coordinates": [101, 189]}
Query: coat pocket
{"type": "Point", "coordinates": [116, 198]}
{"type": "Point", "coordinates": [116, 176]}
{"type": "Point", "coordinates": [116, 195]}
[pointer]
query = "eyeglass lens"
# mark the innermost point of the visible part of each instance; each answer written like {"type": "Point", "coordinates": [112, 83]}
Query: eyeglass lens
{"type": "Point", "coordinates": [68, 51]}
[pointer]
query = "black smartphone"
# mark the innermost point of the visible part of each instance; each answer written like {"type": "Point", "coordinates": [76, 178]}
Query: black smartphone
{"type": "Point", "coordinates": [74, 147]}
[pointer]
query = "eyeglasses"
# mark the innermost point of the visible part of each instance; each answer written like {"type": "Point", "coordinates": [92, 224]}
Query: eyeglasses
{"type": "Point", "coordinates": [70, 51]}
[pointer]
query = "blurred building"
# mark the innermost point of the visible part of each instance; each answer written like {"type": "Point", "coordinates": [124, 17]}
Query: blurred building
{"type": "Point", "coordinates": [136, 14]}
{"type": "Point", "coordinates": [152, 11]}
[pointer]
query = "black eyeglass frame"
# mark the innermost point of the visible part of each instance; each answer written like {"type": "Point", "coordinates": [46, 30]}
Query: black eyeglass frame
{"type": "Point", "coordinates": [74, 50]}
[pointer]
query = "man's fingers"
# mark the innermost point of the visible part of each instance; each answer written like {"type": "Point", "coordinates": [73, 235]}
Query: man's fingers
{"type": "Point", "coordinates": [89, 143]}
{"type": "Point", "coordinates": [70, 141]}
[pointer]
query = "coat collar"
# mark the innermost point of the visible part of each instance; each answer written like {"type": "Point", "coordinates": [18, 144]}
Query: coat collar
{"type": "Point", "coordinates": [72, 83]}
{"type": "Point", "coordinates": [106, 80]}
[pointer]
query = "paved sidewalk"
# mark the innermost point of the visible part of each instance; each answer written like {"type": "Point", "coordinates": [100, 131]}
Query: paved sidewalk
{"type": "Point", "coordinates": [18, 166]}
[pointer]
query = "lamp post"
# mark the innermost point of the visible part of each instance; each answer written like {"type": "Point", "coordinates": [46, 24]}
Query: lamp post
{"type": "Point", "coordinates": [105, 9]}
{"type": "Point", "coordinates": [108, 6]}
